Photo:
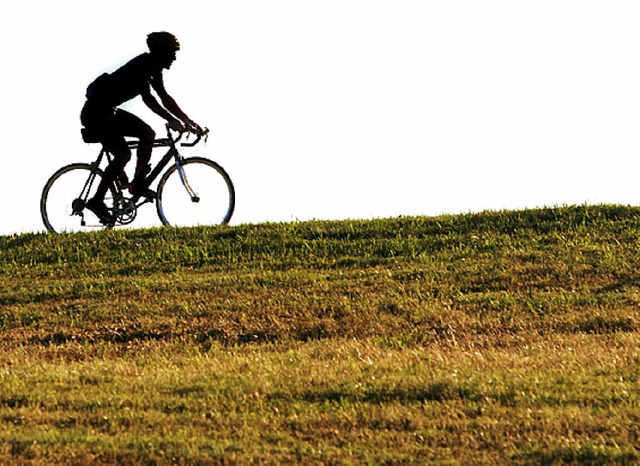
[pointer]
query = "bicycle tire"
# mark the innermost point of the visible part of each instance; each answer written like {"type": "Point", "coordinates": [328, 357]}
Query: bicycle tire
{"type": "Point", "coordinates": [214, 200]}
{"type": "Point", "coordinates": [62, 200]}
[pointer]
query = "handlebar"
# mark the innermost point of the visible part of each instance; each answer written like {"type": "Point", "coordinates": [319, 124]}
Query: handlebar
{"type": "Point", "coordinates": [172, 140]}
{"type": "Point", "coordinates": [199, 133]}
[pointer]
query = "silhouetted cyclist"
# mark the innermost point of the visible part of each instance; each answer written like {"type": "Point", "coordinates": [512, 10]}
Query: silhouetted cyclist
{"type": "Point", "coordinates": [104, 122]}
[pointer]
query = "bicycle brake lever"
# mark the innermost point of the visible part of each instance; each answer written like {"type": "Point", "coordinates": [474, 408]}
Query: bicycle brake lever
{"type": "Point", "coordinates": [198, 135]}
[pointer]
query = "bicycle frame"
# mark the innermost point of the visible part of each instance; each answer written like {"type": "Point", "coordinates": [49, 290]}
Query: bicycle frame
{"type": "Point", "coordinates": [135, 201]}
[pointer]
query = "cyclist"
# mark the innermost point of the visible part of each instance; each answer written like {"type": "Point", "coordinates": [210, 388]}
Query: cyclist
{"type": "Point", "coordinates": [104, 122]}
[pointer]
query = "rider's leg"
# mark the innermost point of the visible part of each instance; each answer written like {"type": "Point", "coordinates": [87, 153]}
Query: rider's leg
{"type": "Point", "coordinates": [99, 118]}
{"type": "Point", "coordinates": [130, 125]}
{"type": "Point", "coordinates": [124, 179]}
{"type": "Point", "coordinates": [121, 156]}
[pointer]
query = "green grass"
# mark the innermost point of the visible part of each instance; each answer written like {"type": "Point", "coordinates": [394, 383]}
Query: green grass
{"type": "Point", "coordinates": [498, 337]}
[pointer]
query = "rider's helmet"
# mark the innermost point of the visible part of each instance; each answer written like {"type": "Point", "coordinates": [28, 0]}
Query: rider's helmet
{"type": "Point", "coordinates": [162, 42]}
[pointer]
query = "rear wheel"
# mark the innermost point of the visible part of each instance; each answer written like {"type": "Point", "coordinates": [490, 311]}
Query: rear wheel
{"type": "Point", "coordinates": [64, 197]}
{"type": "Point", "coordinates": [196, 192]}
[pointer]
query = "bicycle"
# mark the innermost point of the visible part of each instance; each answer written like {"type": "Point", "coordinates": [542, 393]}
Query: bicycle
{"type": "Point", "coordinates": [192, 191]}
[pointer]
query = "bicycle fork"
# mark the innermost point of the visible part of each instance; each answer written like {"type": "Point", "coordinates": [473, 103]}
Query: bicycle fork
{"type": "Point", "coordinates": [185, 182]}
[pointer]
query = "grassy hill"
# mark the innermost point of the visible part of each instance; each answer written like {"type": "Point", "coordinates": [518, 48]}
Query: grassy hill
{"type": "Point", "coordinates": [480, 338]}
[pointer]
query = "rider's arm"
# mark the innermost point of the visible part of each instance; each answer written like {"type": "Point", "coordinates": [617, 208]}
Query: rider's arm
{"type": "Point", "coordinates": [151, 102]}
{"type": "Point", "coordinates": [169, 102]}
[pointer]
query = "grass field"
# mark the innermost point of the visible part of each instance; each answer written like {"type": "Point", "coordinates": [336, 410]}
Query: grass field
{"type": "Point", "coordinates": [490, 338]}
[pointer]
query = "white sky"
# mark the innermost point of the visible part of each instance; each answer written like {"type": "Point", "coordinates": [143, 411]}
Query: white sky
{"type": "Point", "coordinates": [339, 109]}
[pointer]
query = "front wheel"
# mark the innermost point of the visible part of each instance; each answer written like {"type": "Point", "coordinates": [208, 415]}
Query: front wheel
{"type": "Point", "coordinates": [64, 197]}
{"type": "Point", "coordinates": [195, 191]}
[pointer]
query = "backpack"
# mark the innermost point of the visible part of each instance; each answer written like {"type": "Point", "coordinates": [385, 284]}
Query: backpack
{"type": "Point", "coordinates": [97, 86]}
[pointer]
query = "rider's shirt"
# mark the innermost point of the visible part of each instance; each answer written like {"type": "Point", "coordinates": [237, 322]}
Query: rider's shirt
{"type": "Point", "coordinates": [130, 80]}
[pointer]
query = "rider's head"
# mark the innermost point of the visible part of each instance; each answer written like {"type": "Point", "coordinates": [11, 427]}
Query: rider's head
{"type": "Point", "coordinates": [164, 46]}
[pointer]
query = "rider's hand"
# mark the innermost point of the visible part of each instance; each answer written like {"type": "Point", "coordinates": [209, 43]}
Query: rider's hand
{"type": "Point", "coordinates": [176, 125]}
{"type": "Point", "coordinates": [193, 127]}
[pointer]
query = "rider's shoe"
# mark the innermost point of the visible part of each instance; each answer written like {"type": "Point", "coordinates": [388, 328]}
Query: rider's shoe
{"type": "Point", "coordinates": [99, 208]}
{"type": "Point", "coordinates": [138, 189]}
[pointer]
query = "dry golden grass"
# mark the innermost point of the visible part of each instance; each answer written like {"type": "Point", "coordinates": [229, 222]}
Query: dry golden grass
{"type": "Point", "coordinates": [508, 337]}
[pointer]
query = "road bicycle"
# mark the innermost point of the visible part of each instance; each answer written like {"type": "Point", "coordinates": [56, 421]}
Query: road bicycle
{"type": "Point", "coordinates": [192, 191]}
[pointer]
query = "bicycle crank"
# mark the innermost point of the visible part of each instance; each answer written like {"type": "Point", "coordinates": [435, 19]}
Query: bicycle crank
{"type": "Point", "coordinates": [125, 210]}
